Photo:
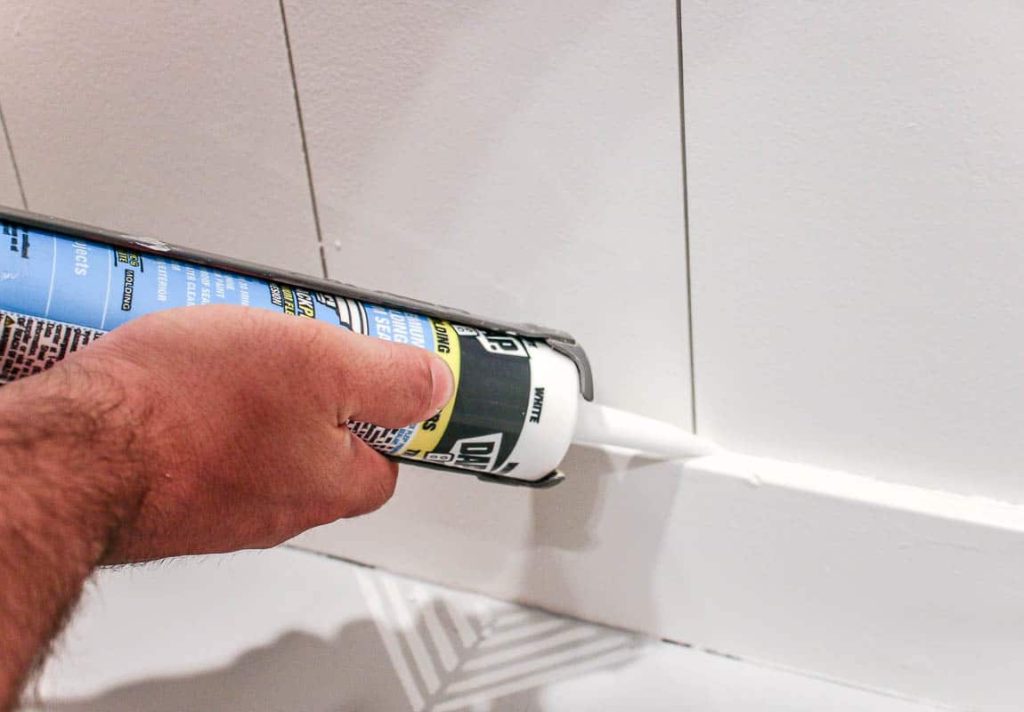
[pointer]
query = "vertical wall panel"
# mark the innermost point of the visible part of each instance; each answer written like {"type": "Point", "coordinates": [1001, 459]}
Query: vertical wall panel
{"type": "Point", "coordinates": [855, 177]}
{"type": "Point", "coordinates": [517, 159]}
{"type": "Point", "coordinates": [167, 118]}
{"type": "Point", "coordinates": [9, 194]}
{"type": "Point", "coordinates": [521, 160]}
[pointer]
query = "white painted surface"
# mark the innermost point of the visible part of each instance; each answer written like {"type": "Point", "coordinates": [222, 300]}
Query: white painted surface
{"type": "Point", "coordinates": [881, 585]}
{"type": "Point", "coordinates": [9, 194]}
{"type": "Point", "coordinates": [164, 118]}
{"type": "Point", "coordinates": [286, 630]}
{"type": "Point", "coordinates": [855, 176]}
{"type": "Point", "coordinates": [520, 160]}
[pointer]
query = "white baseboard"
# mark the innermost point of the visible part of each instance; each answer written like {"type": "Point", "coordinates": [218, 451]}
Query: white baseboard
{"type": "Point", "coordinates": [889, 587]}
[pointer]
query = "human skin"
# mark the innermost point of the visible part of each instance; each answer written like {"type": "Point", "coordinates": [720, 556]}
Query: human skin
{"type": "Point", "coordinates": [191, 431]}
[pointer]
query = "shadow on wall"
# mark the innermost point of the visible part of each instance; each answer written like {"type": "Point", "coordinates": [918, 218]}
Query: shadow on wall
{"type": "Point", "coordinates": [427, 655]}
{"type": "Point", "coordinates": [600, 506]}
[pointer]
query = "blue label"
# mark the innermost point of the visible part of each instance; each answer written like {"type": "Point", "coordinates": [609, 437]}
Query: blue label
{"type": "Point", "coordinates": [91, 284]}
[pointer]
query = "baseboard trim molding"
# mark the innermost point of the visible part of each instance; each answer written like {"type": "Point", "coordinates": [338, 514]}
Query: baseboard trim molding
{"type": "Point", "coordinates": [890, 587]}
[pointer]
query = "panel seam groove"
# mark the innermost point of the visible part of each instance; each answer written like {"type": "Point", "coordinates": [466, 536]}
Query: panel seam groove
{"type": "Point", "coordinates": [305, 146]}
{"type": "Point", "coordinates": [686, 217]}
{"type": "Point", "coordinates": [14, 160]}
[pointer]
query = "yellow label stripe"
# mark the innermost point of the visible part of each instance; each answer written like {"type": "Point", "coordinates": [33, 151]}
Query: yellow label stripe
{"type": "Point", "coordinates": [428, 434]}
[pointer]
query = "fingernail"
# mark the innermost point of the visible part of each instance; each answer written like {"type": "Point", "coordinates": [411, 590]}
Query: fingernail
{"type": "Point", "coordinates": [443, 381]}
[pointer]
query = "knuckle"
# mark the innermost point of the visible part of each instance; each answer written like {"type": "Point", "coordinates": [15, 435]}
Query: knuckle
{"type": "Point", "coordinates": [308, 342]}
{"type": "Point", "coordinates": [386, 483]}
{"type": "Point", "coordinates": [376, 492]}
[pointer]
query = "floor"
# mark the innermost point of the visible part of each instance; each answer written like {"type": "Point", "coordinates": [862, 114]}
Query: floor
{"type": "Point", "coordinates": [293, 630]}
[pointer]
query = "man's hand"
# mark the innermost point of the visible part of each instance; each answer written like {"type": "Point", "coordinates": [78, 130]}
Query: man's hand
{"type": "Point", "coordinates": [195, 430]}
{"type": "Point", "coordinates": [239, 417]}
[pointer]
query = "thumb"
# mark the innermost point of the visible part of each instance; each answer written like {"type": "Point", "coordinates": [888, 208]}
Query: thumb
{"type": "Point", "coordinates": [388, 384]}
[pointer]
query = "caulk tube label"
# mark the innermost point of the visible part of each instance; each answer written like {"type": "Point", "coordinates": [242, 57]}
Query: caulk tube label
{"type": "Point", "coordinates": [58, 292]}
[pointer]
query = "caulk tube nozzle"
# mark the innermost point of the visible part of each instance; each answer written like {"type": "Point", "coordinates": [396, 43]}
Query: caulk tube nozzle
{"type": "Point", "coordinates": [602, 425]}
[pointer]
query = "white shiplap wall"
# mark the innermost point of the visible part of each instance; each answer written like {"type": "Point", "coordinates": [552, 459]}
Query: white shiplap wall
{"type": "Point", "coordinates": [855, 176]}
{"type": "Point", "coordinates": [164, 118]}
{"type": "Point", "coordinates": [518, 159]}
{"type": "Point", "coordinates": [9, 194]}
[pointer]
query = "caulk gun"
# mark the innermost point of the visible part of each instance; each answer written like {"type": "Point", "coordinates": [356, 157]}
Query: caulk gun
{"type": "Point", "coordinates": [523, 393]}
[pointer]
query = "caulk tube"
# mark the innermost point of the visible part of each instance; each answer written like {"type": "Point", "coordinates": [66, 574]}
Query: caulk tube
{"type": "Point", "coordinates": [514, 408]}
